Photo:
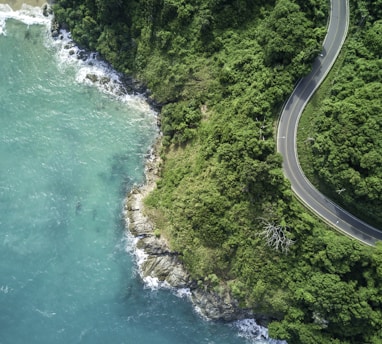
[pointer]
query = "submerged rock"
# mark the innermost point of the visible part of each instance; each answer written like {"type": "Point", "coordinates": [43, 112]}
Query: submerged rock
{"type": "Point", "coordinates": [92, 77]}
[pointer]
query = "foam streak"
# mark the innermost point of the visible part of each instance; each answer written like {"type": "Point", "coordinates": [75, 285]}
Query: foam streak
{"type": "Point", "coordinates": [28, 15]}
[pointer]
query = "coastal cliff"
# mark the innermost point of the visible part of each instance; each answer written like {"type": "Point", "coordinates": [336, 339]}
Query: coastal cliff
{"type": "Point", "coordinates": [165, 265]}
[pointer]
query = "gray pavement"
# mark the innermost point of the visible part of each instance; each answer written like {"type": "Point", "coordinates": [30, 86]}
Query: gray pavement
{"type": "Point", "coordinates": [327, 210]}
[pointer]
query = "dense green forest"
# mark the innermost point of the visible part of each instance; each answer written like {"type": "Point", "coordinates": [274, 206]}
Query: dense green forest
{"type": "Point", "coordinates": [345, 139]}
{"type": "Point", "coordinates": [221, 70]}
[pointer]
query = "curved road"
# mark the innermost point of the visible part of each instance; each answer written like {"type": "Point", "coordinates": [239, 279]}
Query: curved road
{"type": "Point", "coordinates": [330, 212]}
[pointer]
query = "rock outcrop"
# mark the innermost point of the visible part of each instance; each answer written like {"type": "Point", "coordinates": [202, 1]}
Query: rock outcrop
{"type": "Point", "coordinates": [161, 263]}
{"type": "Point", "coordinates": [218, 306]}
{"type": "Point", "coordinates": [47, 10]}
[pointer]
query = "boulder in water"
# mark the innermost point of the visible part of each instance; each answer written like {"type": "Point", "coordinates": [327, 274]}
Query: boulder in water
{"type": "Point", "coordinates": [47, 10]}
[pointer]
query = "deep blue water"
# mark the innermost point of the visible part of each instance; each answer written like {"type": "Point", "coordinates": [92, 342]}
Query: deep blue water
{"type": "Point", "coordinates": [69, 153]}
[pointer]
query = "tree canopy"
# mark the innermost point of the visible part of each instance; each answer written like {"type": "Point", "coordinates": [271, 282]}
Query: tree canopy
{"type": "Point", "coordinates": [346, 146]}
{"type": "Point", "coordinates": [222, 70]}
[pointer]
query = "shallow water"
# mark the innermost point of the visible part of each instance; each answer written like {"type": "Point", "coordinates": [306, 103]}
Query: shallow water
{"type": "Point", "coordinates": [69, 154]}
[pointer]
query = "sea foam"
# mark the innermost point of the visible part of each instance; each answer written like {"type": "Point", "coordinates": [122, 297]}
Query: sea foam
{"type": "Point", "coordinates": [140, 257]}
{"type": "Point", "coordinates": [89, 67]}
{"type": "Point", "coordinates": [247, 328]}
{"type": "Point", "coordinates": [29, 15]}
{"type": "Point", "coordinates": [254, 333]}
{"type": "Point", "coordinates": [91, 70]}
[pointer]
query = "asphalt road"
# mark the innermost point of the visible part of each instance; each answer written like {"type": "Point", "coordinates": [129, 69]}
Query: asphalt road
{"type": "Point", "coordinates": [330, 212]}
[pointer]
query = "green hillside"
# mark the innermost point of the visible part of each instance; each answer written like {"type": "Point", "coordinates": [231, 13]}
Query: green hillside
{"type": "Point", "coordinates": [221, 71]}
{"type": "Point", "coordinates": [344, 150]}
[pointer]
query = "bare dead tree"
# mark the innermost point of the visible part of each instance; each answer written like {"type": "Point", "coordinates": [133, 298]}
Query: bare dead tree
{"type": "Point", "coordinates": [340, 191]}
{"type": "Point", "coordinates": [276, 236]}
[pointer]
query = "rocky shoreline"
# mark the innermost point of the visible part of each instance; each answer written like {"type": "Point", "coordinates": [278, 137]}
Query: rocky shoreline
{"type": "Point", "coordinates": [164, 265]}
{"type": "Point", "coordinates": [160, 262]}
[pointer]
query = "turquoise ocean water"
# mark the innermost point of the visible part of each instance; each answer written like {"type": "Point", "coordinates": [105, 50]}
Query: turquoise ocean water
{"type": "Point", "coordinates": [69, 153]}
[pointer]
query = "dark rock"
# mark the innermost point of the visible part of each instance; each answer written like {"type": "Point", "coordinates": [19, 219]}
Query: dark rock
{"type": "Point", "coordinates": [69, 45]}
{"type": "Point", "coordinates": [82, 55]}
{"type": "Point", "coordinates": [92, 77]}
{"type": "Point", "coordinates": [134, 86]}
{"type": "Point", "coordinates": [104, 80]}
{"type": "Point", "coordinates": [47, 10]}
{"type": "Point", "coordinates": [54, 28]}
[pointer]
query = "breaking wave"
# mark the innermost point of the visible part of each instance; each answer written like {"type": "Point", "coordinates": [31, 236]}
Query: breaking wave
{"type": "Point", "coordinates": [254, 333]}
{"type": "Point", "coordinates": [89, 67]}
{"type": "Point", "coordinates": [29, 15]}
{"type": "Point", "coordinates": [91, 70]}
